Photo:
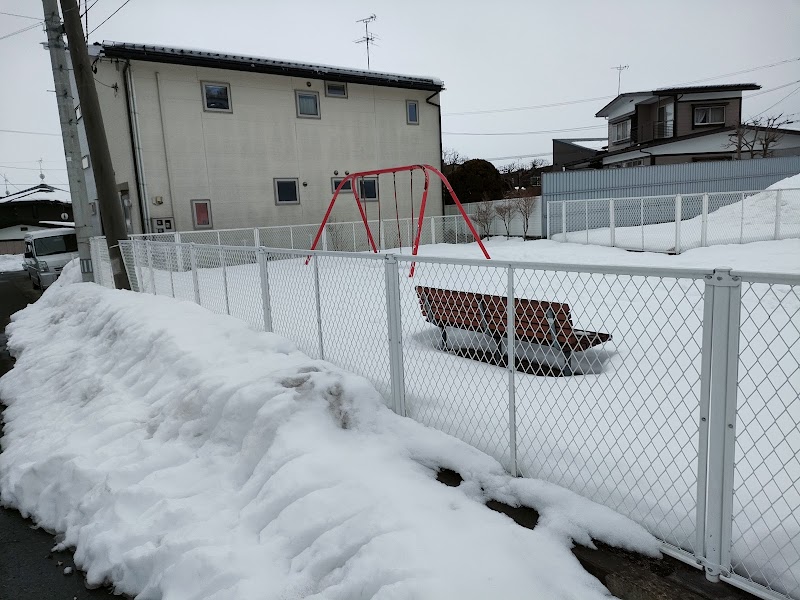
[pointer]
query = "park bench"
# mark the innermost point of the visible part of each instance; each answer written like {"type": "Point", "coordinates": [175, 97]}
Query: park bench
{"type": "Point", "coordinates": [545, 323]}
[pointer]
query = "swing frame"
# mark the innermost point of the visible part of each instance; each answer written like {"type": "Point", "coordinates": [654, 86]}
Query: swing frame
{"type": "Point", "coordinates": [426, 169]}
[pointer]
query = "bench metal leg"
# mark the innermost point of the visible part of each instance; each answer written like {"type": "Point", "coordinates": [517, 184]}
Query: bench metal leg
{"type": "Point", "coordinates": [444, 338]}
{"type": "Point", "coordinates": [567, 370]}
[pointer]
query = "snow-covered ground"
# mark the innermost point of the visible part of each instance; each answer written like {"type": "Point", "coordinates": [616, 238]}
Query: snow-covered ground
{"type": "Point", "coordinates": [10, 262]}
{"type": "Point", "coordinates": [748, 220]}
{"type": "Point", "coordinates": [625, 432]}
{"type": "Point", "coordinates": [188, 455]}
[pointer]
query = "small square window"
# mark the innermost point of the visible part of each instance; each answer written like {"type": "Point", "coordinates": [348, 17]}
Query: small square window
{"type": "Point", "coordinates": [368, 188]}
{"type": "Point", "coordinates": [85, 161]}
{"type": "Point", "coordinates": [336, 90]}
{"type": "Point", "coordinates": [78, 113]}
{"type": "Point", "coordinates": [217, 97]}
{"type": "Point", "coordinates": [286, 191]}
{"type": "Point", "coordinates": [201, 214]}
{"type": "Point", "coordinates": [346, 188]}
{"type": "Point", "coordinates": [307, 104]}
{"type": "Point", "coordinates": [412, 112]}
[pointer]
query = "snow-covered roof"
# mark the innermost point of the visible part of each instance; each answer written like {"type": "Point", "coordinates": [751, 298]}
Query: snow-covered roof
{"type": "Point", "coordinates": [259, 64]}
{"type": "Point", "coordinates": [37, 194]}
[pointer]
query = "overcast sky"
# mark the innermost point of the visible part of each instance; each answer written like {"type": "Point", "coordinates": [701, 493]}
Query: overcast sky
{"type": "Point", "coordinates": [491, 55]}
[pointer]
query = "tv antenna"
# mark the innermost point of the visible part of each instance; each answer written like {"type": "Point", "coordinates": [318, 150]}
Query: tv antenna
{"type": "Point", "coordinates": [41, 173]}
{"type": "Point", "coordinates": [368, 37]}
{"type": "Point", "coordinates": [619, 69]}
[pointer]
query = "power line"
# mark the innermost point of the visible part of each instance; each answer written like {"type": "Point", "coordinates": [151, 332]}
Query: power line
{"type": "Point", "coordinates": [29, 132]}
{"type": "Point", "coordinates": [29, 168]}
{"type": "Point", "coordinates": [780, 87]}
{"type": "Point", "coordinates": [782, 62]}
{"type": "Point", "coordinates": [23, 30]}
{"type": "Point", "coordinates": [534, 155]}
{"type": "Point", "coordinates": [8, 14]}
{"type": "Point", "coordinates": [525, 132]}
{"type": "Point", "coordinates": [794, 91]}
{"type": "Point", "coordinates": [108, 17]}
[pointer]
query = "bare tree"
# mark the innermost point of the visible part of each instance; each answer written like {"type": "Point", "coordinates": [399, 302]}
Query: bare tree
{"type": "Point", "coordinates": [505, 211]}
{"type": "Point", "coordinates": [483, 217]}
{"type": "Point", "coordinates": [451, 159]}
{"type": "Point", "coordinates": [524, 208]}
{"type": "Point", "coordinates": [758, 136]}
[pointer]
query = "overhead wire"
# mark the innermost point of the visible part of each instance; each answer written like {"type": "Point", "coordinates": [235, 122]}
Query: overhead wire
{"type": "Point", "coordinates": [23, 30]}
{"type": "Point", "coordinates": [108, 17]}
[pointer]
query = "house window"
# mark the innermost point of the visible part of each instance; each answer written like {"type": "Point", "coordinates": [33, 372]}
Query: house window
{"type": "Point", "coordinates": [286, 191]}
{"type": "Point", "coordinates": [368, 188]}
{"type": "Point", "coordinates": [201, 214]}
{"type": "Point", "coordinates": [217, 97]}
{"type": "Point", "coordinates": [412, 112]}
{"type": "Point", "coordinates": [709, 115]}
{"type": "Point", "coordinates": [621, 131]}
{"type": "Point", "coordinates": [307, 104]}
{"type": "Point", "coordinates": [336, 90]}
{"type": "Point", "coordinates": [85, 161]}
{"type": "Point", "coordinates": [347, 187]}
{"type": "Point", "coordinates": [78, 113]}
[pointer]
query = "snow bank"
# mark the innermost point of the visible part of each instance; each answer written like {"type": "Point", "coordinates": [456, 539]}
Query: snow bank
{"type": "Point", "coordinates": [187, 455]}
{"type": "Point", "coordinates": [10, 262]}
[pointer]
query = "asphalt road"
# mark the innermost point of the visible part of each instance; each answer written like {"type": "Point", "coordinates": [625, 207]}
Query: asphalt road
{"type": "Point", "coordinates": [28, 570]}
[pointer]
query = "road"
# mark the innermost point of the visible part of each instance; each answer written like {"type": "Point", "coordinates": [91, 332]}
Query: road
{"type": "Point", "coordinates": [28, 570]}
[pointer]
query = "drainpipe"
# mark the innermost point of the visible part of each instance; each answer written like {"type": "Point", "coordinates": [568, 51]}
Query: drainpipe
{"type": "Point", "coordinates": [166, 147]}
{"type": "Point", "coordinates": [439, 113]}
{"type": "Point", "coordinates": [133, 122]}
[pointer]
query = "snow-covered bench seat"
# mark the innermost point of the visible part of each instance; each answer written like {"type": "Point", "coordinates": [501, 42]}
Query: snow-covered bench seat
{"type": "Point", "coordinates": [545, 323]}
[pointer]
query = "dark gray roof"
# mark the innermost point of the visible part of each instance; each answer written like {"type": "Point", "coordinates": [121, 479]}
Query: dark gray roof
{"type": "Point", "coordinates": [257, 64]}
{"type": "Point", "coordinates": [683, 89]}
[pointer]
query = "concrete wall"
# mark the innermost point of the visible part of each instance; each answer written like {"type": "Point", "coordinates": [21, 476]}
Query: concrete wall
{"type": "Point", "coordinates": [233, 158]}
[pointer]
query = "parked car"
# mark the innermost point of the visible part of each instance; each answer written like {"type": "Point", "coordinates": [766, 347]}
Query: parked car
{"type": "Point", "coordinates": [46, 253]}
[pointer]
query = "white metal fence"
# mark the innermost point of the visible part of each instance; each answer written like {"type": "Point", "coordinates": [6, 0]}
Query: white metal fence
{"type": "Point", "coordinates": [677, 223]}
{"type": "Point", "coordinates": [348, 236]}
{"type": "Point", "coordinates": [687, 421]}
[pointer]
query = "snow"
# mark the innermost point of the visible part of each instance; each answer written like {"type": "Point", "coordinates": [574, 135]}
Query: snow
{"type": "Point", "coordinates": [748, 220]}
{"type": "Point", "coordinates": [10, 262]}
{"type": "Point", "coordinates": [188, 455]}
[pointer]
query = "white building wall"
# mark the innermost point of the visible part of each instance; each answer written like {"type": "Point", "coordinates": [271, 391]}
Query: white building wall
{"type": "Point", "coordinates": [232, 158]}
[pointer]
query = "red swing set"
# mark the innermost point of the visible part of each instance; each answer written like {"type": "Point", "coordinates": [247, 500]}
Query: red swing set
{"type": "Point", "coordinates": [354, 178]}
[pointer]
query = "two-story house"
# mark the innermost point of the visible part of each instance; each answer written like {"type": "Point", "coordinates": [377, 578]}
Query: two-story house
{"type": "Point", "coordinates": [202, 139]}
{"type": "Point", "coordinates": [669, 126]}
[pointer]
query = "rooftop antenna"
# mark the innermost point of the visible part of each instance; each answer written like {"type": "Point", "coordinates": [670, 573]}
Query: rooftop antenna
{"type": "Point", "coordinates": [368, 37]}
{"type": "Point", "coordinates": [41, 173]}
{"type": "Point", "coordinates": [619, 69]}
{"type": "Point", "coordinates": [5, 179]}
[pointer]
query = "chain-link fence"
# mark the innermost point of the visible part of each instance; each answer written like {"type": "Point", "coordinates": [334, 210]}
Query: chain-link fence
{"type": "Point", "coordinates": [669, 395]}
{"type": "Point", "coordinates": [677, 223]}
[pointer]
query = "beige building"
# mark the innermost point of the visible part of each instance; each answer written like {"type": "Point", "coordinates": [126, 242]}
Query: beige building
{"type": "Point", "coordinates": [202, 139]}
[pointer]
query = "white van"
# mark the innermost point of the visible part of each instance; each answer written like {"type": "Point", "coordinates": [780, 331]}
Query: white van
{"type": "Point", "coordinates": [46, 253]}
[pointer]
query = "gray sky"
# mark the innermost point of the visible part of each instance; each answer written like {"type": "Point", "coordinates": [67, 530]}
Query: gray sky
{"type": "Point", "coordinates": [491, 55]}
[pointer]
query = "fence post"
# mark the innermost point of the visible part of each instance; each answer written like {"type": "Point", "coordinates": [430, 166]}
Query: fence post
{"type": "Point", "coordinates": [195, 275]}
{"type": "Point", "coordinates": [219, 239]}
{"type": "Point", "coordinates": [511, 364]}
{"type": "Point", "coordinates": [224, 279]}
{"type": "Point", "coordinates": [179, 251]}
{"type": "Point", "coordinates": [778, 215]}
{"type": "Point", "coordinates": [150, 266]}
{"type": "Point", "coordinates": [719, 380]}
{"type": "Point", "coordinates": [741, 222]}
{"type": "Point", "coordinates": [433, 229]}
{"type": "Point", "coordinates": [586, 206]}
{"type": "Point", "coordinates": [263, 274]}
{"type": "Point", "coordinates": [256, 237]}
{"type": "Point", "coordinates": [564, 220]}
{"type": "Point", "coordinates": [381, 236]}
{"type": "Point", "coordinates": [611, 221]}
{"type": "Point", "coordinates": [325, 238]}
{"type": "Point", "coordinates": [175, 249]}
{"type": "Point", "coordinates": [704, 223]}
{"type": "Point", "coordinates": [678, 211]}
{"type": "Point", "coordinates": [641, 219]}
{"type": "Point", "coordinates": [319, 307]}
{"type": "Point", "coordinates": [395, 329]}
{"type": "Point", "coordinates": [291, 237]}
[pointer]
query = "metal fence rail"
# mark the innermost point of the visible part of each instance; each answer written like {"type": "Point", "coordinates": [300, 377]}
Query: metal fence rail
{"type": "Point", "coordinates": [687, 420]}
{"type": "Point", "coordinates": [679, 222]}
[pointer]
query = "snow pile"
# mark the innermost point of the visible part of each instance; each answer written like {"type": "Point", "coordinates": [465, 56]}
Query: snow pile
{"type": "Point", "coordinates": [187, 455]}
{"type": "Point", "coordinates": [10, 262]}
{"type": "Point", "coordinates": [743, 221]}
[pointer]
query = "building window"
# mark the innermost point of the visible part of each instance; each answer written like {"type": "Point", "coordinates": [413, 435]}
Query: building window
{"type": "Point", "coordinates": [307, 104]}
{"type": "Point", "coordinates": [85, 161]}
{"type": "Point", "coordinates": [217, 97]}
{"type": "Point", "coordinates": [336, 90]}
{"type": "Point", "coordinates": [201, 214]}
{"type": "Point", "coordinates": [286, 191]}
{"type": "Point", "coordinates": [709, 115]}
{"type": "Point", "coordinates": [621, 131]}
{"type": "Point", "coordinates": [346, 188]}
{"type": "Point", "coordinates": [368, 188]}
{"type": "Point", "coordinates": [412, 112]}
{"type": "Point", "coordinates": [78, 113]}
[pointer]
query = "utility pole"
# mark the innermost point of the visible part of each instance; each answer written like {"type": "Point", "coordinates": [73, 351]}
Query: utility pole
{"type": "Point", "coordinates": [368, 37]}
{"type": "Point", "coordinates": [619, 70]}
{"type": "Point", "coordinates": [69, 135]}
{"type": "Point", "coordinates": [110, 205]}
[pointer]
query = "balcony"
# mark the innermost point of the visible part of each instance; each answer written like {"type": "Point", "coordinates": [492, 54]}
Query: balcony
{"type": "Point", "coordinates": [655, 130]}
